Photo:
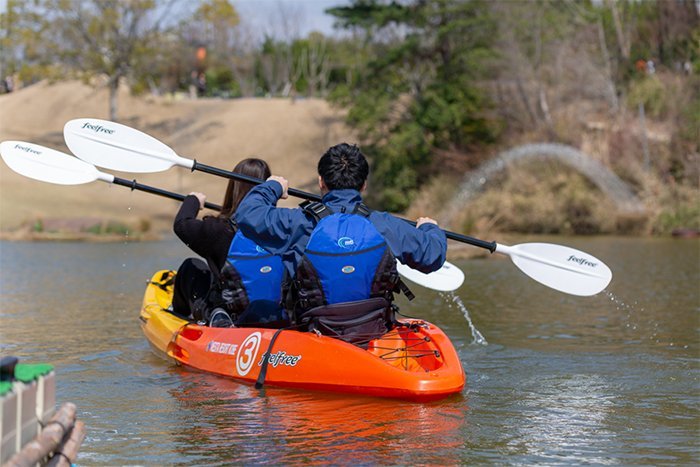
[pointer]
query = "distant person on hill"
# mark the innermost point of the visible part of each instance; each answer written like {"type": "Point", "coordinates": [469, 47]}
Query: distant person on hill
{"type": "Point", "coordinates": [219, 290]}
{"type": "Point", "coordinates": [193, 85]}
{"type": "Point", "coordinates": [651, 67]}
{"type": "Point", "coordinates": [8, 84]}
{"type": "Point", "coordinates": [340, 254]}
{"type": "Point", "coordinates": [201, 84]}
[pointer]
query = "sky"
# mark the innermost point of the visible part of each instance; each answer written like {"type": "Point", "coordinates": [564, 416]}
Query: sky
{"type": "Point", "coordinates": [304, 15]}
{"type": "Point", "coordinates": [266, 15]}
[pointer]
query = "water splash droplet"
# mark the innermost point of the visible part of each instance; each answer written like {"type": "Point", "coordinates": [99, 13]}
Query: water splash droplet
{"type": "Point", "coordinates": [453, 298]}
{"type": "Point", "coordinates": [634, 310]}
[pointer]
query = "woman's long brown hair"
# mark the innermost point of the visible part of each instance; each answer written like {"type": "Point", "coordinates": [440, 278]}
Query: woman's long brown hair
{"type": "Point", "coordinates": [236, 190]}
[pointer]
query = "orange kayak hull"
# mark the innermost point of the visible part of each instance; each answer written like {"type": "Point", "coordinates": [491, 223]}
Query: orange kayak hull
{"type": "Point", "coordinates": [414, 361]}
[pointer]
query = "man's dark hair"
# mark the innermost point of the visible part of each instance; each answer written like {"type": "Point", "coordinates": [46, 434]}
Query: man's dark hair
{"type": "Point", "coordinates": [343, 166]}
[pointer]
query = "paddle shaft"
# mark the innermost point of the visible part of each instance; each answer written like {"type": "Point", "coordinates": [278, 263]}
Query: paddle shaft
{"type": "Point", "coordinates": [491, 246]}
{"type": "Point", "coordinates": [134, 185]}
{"type": "Point", "coordinates": [252, 180]}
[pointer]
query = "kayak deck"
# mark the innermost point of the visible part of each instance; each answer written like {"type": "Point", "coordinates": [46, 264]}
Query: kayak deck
{"type": "Point", "coordinates": [415, 360]}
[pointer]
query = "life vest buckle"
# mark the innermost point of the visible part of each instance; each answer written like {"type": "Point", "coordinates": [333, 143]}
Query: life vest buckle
{"type": "Point", "coordinates": [315, 209]}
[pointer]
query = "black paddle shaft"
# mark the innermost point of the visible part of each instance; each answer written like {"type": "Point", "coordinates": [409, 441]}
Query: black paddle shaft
{"type": "Point", "coordinates": [252, 180]}
{"type": "Point", "coordinates": [491, 246]}
{"type": "Point", "coordinates": [134, 185]}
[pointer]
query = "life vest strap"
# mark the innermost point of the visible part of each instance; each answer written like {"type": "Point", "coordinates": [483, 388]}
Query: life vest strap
{"type": "Point", "coordinates": [401, 285]}
{"type": "Point", "coordinates": [316, 210]}
{"type": "Point", "coordinates": [266, 360]}
{"type": "Point", "coordinates": [361, 209]}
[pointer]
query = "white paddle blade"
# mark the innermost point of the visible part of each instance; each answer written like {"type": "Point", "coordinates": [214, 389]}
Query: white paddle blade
{"type": "Point", "coordinates": [446, 279]}
{"type": "Point", "coordinates": [119, 147]}
{"type": "Point", "coordinates": [46, 165]}
{"type": "Point", "coordinates": [559, 267]}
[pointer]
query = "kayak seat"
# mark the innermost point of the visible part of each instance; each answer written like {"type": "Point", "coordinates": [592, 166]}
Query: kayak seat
{"type": "Point", "coordinates": [356, 322]}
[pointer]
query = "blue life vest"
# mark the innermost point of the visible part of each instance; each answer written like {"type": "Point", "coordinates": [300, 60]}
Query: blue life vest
{"type": "Point", "coordinates": [346, 260]}
{"type": "Point", "coordinates": [250, 275]}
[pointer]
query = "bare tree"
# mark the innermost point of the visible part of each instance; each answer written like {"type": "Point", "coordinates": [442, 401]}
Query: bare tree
{"type": "Point", "coordinates": [623, 38]}
{"type": "Point", "coordinates": [285, 23]}
{"type": "Point", "coordinates": [274, 65]}
{"type": "Point", "coordinates": [242, 61]}
{"type": "Point", "coordinates": [612, 92]}
{"type": "Point", "coordinates": [316, 64]}
{"type": "Point", "coordinates": [105, 36]}
{"type": "Point", "coordinates": [285, 26]}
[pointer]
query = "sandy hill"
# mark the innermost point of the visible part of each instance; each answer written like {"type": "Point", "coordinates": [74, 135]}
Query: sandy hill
{"type": "Point", "coordinates": [289, 135]}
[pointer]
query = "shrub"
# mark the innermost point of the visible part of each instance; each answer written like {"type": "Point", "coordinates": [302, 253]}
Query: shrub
{"type": "Point", "coordinates": [650, 92]}
{"type": "Point", "coordinates": [684, 215]}
{"type": "Point", "coordinates": [542, 199]}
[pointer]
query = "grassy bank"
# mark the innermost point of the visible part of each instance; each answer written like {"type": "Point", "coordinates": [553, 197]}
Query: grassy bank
{"type": "Point", "coordinates": [81, 229]}
{"type": "Point", "coordinates": [542, 199]}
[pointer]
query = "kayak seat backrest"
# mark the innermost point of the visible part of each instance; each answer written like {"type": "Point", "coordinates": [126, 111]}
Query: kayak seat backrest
{"type": "Point", "coordinates": [164, 288]}
{"type": "Point", "coordinates": [356, 322]}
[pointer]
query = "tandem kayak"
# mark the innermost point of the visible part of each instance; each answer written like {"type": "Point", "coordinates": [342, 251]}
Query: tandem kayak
{"type": "Point", "coordinates": [415, 361]}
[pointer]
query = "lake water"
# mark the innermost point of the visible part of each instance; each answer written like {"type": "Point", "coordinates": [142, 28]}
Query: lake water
{"type": "Point", "coordinates": [557, 379]}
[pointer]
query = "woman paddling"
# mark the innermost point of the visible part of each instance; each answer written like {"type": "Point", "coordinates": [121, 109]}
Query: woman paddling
{"type": "Point", "coordinates": [199, 284]}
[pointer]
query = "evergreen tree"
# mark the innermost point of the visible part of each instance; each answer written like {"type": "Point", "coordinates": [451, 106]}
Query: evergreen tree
{"type": "Point", "coordinates": [418, 96]}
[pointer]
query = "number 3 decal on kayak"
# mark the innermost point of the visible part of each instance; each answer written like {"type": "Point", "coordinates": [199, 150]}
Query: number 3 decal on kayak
{"type": "Point", "coordinates": [249, 351]}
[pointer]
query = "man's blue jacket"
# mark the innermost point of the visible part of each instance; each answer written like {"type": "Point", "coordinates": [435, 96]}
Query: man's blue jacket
{"type": "Point", "coordinates": [286, 232]}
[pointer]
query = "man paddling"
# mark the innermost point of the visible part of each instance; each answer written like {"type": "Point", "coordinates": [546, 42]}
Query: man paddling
{"type": "Point", "coordinates": [338, 251]}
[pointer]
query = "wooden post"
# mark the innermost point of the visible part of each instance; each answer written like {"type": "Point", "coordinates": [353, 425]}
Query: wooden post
{"type": "Point", "coordinates": [59, 440]}
{"type": "Point", "coordinates": [67, 452]}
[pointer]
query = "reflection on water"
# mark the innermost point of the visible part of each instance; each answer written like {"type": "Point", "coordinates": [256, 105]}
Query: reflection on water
{"type": "Point", "coordinates": [278, 425]}
{"type": "Point", "coordinates": [563, 380]}
{"type": "Point", "coordinates": [564, 415]}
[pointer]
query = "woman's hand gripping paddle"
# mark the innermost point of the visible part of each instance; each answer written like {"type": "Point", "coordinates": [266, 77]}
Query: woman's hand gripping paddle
{"type": "Point", "coordinates": [118, 147]}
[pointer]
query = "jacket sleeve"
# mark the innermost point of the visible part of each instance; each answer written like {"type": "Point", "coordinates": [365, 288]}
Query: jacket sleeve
{"type": "Point", "coordinates": [423, 248]}
{"type": "Point", "coordinates": [186, 226]}
{"type": "Point", "coordinates": [204, 238]}
{"type": "Point", "coordinates": [259, 218]}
